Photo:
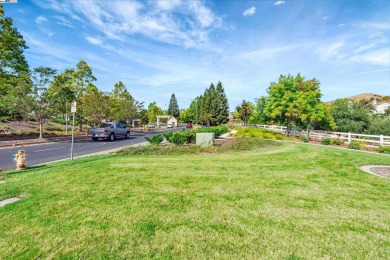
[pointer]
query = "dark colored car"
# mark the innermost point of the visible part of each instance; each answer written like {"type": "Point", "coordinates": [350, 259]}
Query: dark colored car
{"type": "Point", "coordinates": [189, 125]}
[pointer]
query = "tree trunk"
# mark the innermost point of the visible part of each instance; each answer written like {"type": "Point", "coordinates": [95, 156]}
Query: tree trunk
{"type": "Point", "coordinates": [40, 128]}
{"type": "Point", "coordinates": [288, 126]}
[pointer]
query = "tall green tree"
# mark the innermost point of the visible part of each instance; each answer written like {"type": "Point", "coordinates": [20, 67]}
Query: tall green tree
{"type": "Point", "coordinates": [351, 116]}
{"type": "Point", "coordinates": [15, 82]}
{"type": "Point", "coordinates": [173, 108]}
{"type": "Point", "coordinates": [14, 101]}
{"type": "Point", "coordinates": [82, 83]}
{"type": "Point", "coordinates": [61, 93]}
{"type": "Point", "coordinates": [244, 111]}
{"type": "Point", "coordinates": [95, 106]}
{"type": "Point", "coordinates": [40, 105]}
{"type": "Point", "coordinates": [213, 105]}
{"type": "Point", "coordinates": [153, 112]}
{"type": "Point", "coordinates": [123, 107]}
{"type": "Point", "coordinates": [222, 116]}
{"type": "Point", "coordinates": [12, 45]}
{"type": "Point", "coordinates": [296, 101]}
{"type": "Point", "coordinates": [259, 116]}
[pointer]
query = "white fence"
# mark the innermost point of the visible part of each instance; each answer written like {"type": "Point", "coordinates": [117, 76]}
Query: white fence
{"type": "Point", "coordinates": [319, 135]}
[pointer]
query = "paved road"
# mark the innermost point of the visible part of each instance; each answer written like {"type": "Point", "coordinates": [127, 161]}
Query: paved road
{"type": "Point", "coordinates": [43, 153]}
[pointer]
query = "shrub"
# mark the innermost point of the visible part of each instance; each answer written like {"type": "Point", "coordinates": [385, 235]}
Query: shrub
{"type": "Point", "coordinates": [4, 118]}
{"type": "Point", "coordinates": [190, 136]}
{"type": "Point", "coordinates": [357, 145]}
{"type": "Point", "coordinates": [21, 132]}
{"type": "Point", "coordinates": [168, 136]}
{"type": "Point", "coordinates": [179, 138]}
{"type": "Point", "coordinates": [217, 130]}
{"type": "Point", "coordinates": [384, 149]}
{"type": "Point", "coordinates": [52, 128]}
{"type": "Point", "coordinates": [156, 139]}
{"type": "Point", "coordinates": [326, 141]}
{"type": "Point", "coordinates": [336, 141]}
{"type": "Point", "coordinates": [239, 144]}
{"type": "Point", "coordinates": [58, 120]}
{"type": "Point", "coordinates": [304, 138]}
{"type": "Point", "coordinates": [6, 128]}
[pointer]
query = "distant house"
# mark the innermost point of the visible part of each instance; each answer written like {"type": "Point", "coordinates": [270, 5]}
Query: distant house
{"type": "Point", "coordinates": [172, 121]}
{"type": "Point", "coordinates": [381, 107]}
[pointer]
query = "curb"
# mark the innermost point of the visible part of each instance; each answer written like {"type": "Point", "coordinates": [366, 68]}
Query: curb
{"type": "Point", "coordinates": [367, 169]}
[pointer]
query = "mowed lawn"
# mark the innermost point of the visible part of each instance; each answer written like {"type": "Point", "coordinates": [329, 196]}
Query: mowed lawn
{"type": "Point", "coordinates": [294, 201]}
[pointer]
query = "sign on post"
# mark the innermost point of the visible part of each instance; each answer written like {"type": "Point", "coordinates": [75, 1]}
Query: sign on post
{"type": "Point", "coordinates": [73, 109]}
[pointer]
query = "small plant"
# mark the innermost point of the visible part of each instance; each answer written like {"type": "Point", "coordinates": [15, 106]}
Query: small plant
{"type": "Point", "coordinates": [156, 139]}
{"type": "Point", "coordinates": [384, 149]}
{"type": "Point", "coordinates": [304, 138]}
{"type": "Point", "coordinates": [326, 141]}
{"type": "Point", "coordinates": [53, 128]}
{"type": "Point", "coordinates": [21, 132]}
{"type": "Point", "coordinates": [179, 138]}
{"type": "Point", "coordinates": [6, 128]}
{"type": "Point", "coordinates": [58, 120]}
{"type": "Point", "coordinates": [168, 136]}
{"type": "Point", "coordinates": [357, 145]}
{"type": "Point", "coordinates": [336, 141]}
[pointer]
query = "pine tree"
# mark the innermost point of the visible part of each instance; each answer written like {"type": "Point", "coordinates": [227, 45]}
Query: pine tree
{"type": "Point", "coordinates": [223, 105]}
{"type": "Point", "coordinates": [173, 108]}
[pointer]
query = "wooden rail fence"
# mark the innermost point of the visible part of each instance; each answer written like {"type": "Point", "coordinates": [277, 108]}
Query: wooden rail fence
{"type": "Point", "coordinates": [374, 140]}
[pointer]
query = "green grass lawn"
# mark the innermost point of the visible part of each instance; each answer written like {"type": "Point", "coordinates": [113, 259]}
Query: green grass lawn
{"type": "Point", "coordinates": [294, 201]}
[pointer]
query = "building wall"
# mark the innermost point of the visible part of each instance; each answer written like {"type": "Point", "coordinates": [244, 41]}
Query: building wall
{"type": "Point", "coordinates": [381, 107]}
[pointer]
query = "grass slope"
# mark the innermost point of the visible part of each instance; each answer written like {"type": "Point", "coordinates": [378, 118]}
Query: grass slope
{"type": "Point", "coordinates": [289, 202]}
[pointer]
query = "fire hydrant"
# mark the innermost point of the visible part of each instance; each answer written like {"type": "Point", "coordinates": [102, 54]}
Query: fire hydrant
{"type": "Point", "coordinates": [20, 159]}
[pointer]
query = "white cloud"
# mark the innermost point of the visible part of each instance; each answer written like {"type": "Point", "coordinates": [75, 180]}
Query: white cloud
{"type": "Point", "coordinates": [249, 12]}
{"type": "Point", "coordinates": [279, 2]}
{"type": "Point", "coordinates": [332, 51]}
{"type": "Point", "coordinates": [178, 22]}
{"type": "Point", "coordinates": [341, 25]}
{"type": "Point", "coordinates": [377, 25]}
{"type": "Point", "coordinates": [376, 57]}
{"type": "Point", "coordinates": [40, 19]}
{"type": "Point", "coordinates": [325, 17]}
{"type": "Point", "coordinates": [94, 40]}
{"type": "Point", "coordinates": [63, 21]}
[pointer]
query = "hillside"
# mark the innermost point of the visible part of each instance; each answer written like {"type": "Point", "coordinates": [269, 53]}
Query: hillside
{"type": "Point", "coordinates": [364, 96]}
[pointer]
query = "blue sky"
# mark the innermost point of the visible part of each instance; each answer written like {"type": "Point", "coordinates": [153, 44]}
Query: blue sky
{"type": "Point", "coordinates": [158, 47]}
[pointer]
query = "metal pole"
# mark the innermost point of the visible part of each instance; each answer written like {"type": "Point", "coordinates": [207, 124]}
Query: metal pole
{"type": "Point", "coordinates": [197, 112]}
{"type": "Point", "coordinates": [71, 148]}
{"type": "Point", "coordinates": [66, 117]}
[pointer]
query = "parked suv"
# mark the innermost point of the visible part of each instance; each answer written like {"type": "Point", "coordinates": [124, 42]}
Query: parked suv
{"type": "Point", "coordinates": [189, 125]}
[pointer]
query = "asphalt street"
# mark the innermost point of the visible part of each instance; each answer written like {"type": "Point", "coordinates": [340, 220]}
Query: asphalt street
{"type": "Point", "coordinates": [44, 153]}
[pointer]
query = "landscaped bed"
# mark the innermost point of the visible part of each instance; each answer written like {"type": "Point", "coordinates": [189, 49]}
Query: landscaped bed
{"type": "Point", "coordinates": [282, 202]}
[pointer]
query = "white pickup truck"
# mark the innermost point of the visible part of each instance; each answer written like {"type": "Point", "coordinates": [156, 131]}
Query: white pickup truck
{"type": "Point", "coordinates": [109, 131]}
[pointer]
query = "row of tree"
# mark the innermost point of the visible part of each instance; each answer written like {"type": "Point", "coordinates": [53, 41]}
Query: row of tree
{"type": "Point", "coordinates": [211, 108]}
{"type": "Point", "coordinates": [292, 101]}
{"type": "Point", "coordinates": [41, 93]}
{"type": "Point", "coordinates": [295, 102]}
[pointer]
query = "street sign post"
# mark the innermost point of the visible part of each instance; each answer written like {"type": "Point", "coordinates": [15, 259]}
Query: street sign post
{"type": "Point", "coordinates": [73, 110]}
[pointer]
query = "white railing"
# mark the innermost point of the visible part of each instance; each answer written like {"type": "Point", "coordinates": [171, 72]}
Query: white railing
{"type": "Point", "coordinates": [319, 135]}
